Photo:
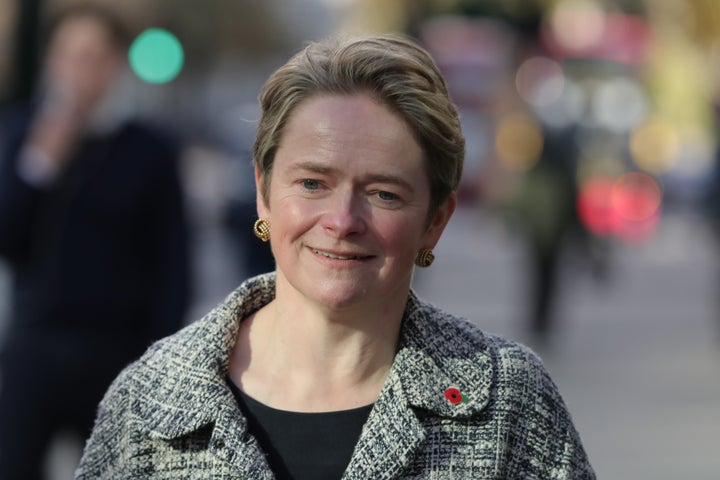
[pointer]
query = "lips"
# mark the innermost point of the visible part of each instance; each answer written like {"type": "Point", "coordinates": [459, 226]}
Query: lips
{"type": "Point", "coordinates": [339, 256]}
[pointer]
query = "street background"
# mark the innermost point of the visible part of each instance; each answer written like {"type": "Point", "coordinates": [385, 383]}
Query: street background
{"type": "Point", "coordinates": [590, 196]}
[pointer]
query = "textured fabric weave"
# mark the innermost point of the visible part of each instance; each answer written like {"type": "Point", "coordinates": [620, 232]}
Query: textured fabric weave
{"type": "Point", "coordinates": [171, 415]}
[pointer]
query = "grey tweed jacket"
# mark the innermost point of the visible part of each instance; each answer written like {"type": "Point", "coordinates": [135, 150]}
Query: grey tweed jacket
{"type": "Point", "coordinates": [171, 415]}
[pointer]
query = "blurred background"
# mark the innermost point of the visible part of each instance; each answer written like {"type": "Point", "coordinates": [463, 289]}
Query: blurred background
{"type": "Point", "coordinates": [588, 226]}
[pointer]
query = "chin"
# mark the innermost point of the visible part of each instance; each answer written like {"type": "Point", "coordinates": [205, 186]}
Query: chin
{"type": "Point", "coordinates": [341, 291]}
{"type": "Point", "coordinates": [340, 295]}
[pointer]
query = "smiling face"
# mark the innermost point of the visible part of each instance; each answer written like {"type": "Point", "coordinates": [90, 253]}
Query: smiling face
{"type": "Point", "coordinates": [348, 203]}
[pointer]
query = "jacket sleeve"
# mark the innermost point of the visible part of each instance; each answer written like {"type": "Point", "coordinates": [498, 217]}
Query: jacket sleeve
{"type": "Point", "coordinates": [545, 442]}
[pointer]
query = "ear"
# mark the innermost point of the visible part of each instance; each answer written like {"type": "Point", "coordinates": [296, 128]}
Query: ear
{"type": "Point", "coordinates": [439, 221]}
{"type": "Point", "coordinates": [262, 209]}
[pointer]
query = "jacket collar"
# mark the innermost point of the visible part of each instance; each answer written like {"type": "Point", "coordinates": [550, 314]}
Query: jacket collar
{"type": "Point", "coordinates": [435, 352]}
{"type": "Point", "coordinates": [440, 352]}
{"type": "Point", "coordinates": [187, 371]}
{"type": "Point", "coordinates": [181, 386]}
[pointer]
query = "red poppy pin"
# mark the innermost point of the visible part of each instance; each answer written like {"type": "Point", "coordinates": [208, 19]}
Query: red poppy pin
{"type": "Point", "coordinates": [454, 396]}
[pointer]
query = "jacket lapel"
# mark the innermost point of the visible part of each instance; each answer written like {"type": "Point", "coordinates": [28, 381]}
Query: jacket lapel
{"type": "Point", "coordinates": [429, 361]}
{"type": "Point", "coordinates": [436, 356]}
{"type": "Point", "coordinates": [215, 411]}
{"type": "Point", "coordinates": [189, 394]}
{"type": "Point", "coordinates": [390, 439]}
{"type": "Point", "coordinates": [188, 389]}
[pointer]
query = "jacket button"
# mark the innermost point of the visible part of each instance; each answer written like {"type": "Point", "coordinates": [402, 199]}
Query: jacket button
{"type": "Point", "coordinates": [219, 443]}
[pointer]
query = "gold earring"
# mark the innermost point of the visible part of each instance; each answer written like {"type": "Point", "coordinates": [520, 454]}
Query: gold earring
{"type": "Point", "coordinates": [261, 229]}
{"type": "Point", "coordinates": [424, 258]}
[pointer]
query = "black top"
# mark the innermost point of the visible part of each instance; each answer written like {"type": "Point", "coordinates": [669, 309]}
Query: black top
{"type": "Point", "coordinates": [299, 446]}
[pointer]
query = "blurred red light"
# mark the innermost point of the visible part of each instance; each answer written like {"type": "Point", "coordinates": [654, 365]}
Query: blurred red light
{"type": "Point", "coordinates": [594, 206]}
{"type": "Point", "coordinates": [636, 196]}
{"type": "Point", "coordinates": [627, 207]}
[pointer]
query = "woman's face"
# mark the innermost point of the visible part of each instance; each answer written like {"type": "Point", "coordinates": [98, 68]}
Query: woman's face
{"type": "Point", "coordinates": [348, 203]}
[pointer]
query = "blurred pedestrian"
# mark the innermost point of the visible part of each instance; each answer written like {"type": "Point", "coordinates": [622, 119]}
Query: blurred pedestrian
{"type": "Point", "coordinates": [544, 207]}
{"type": "Point", "coordinates": [330, 366]}
{"type": "Point", "coordinates": [92, 225]}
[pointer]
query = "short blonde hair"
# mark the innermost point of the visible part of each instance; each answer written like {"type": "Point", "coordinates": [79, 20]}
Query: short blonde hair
{"type": "Point", "coordinates": [397, 72]}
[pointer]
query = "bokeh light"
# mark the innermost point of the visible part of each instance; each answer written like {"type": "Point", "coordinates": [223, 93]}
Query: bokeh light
{"type": "Point", "coordinates": [594, 206]}
{"type": "Point", "coordinates": [578, 24]}
{"type": "Point", "coordinates": [599, 166]}
{"type": "Point", "coordinates": [636, 196]}
{"type": "Point", "coordinates": [654, 145]}
{"type": "Point", "coordinates": [627, 207]}
{"type": "Point", "coordinates": [696, 155]}
{"type": "Point", "coordinates": [568, 110]}
{"type": "Point", "coordinates": [540, 81]}
{"type": "Point", "coordinates": [619, 104]}
{"type": "Point", "coordinates": [156, 56]}
{"type": "Point", "coordinates": [518, 142]}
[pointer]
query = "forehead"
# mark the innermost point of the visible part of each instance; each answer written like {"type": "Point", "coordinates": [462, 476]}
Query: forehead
{"type": "Point", "coordinates": [347, 109]}
{"type": "Point", "coordinates": [354, 126]}
{"type": "Point", "coordinates": [82, 32]}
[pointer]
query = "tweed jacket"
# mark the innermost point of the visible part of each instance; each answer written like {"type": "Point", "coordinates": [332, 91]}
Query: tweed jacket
{"type": "Point", "coordinates": [171, 414]}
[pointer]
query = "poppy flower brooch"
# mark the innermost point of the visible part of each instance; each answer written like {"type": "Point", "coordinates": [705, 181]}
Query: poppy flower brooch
{"type": "Point", "coordinates": [454, 396]}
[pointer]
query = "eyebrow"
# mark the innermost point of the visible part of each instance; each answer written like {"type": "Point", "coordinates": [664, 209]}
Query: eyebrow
{"type": "Point", "coordinates": [394, 179]}
{"type": "Point", "coordinates": [316, 167]}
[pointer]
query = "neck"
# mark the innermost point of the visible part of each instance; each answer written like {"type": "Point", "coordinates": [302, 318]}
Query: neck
{"type": "Point", "coordinates": [295, 356]}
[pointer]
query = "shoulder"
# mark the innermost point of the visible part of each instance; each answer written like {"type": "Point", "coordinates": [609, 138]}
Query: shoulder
{"type": "Point", "coordinates": [16, 118]}
{"type": "Point", "coordinates": [150, 130]}
{"type": "Point", "coordinates": [15, 122]}
{"type": "Point", "coordinates": [447, 338]}
{"type": "Point", "coordinates": [155, 399]}
{"type": "Point", "coordinates": [507, 398]}
{"type": "Point", "coordinates": [457, 335]}
{"type": "Point", "coordinates": [168, 359]}
{"type": "Point", "coordinates": [160, 144]}
{"type": "Point", "coordinates": [202, 348]}
{"type": "Point", "coordinates": [158, 366]}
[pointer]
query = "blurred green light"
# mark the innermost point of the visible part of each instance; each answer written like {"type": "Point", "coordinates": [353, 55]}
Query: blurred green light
{"type": "Point", "coordinates": [156, 56]}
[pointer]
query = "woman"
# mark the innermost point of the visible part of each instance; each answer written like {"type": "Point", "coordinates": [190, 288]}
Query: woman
{"type": "Point", "coordinates": [331, 367]}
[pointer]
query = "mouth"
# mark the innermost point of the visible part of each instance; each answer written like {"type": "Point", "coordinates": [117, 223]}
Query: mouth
{"type": "Point", "coordinates": [338, 256]}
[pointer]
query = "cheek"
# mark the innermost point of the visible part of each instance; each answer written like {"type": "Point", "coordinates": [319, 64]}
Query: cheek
{"type": "Point", "coordinates": [63, 73]}
{"type": "Point", "coordinates": [101, 74]}
{"type": "Point", "coordinates": [291, 218]}
{"type": "Point", "coordinates": [400, 236]}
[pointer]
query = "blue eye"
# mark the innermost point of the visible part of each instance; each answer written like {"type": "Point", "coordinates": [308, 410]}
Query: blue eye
{"type": "Point", "coordinates": [311, 184]}
{"type": "Point", "coordinates": [386, 196]}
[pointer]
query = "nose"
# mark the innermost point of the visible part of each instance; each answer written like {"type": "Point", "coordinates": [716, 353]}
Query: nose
{"type": "Point", "coordinates": [344, 216]}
